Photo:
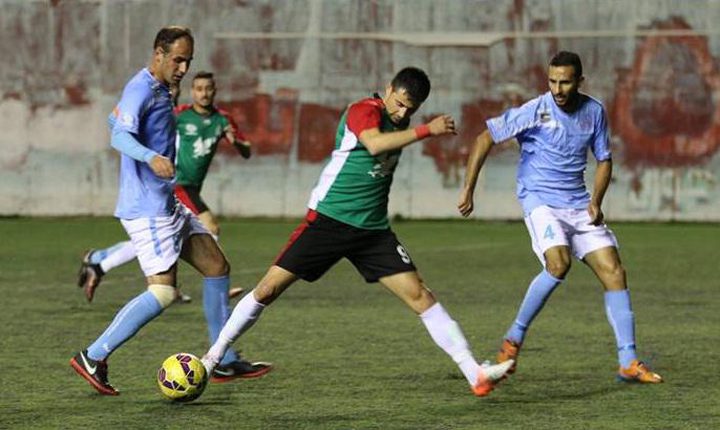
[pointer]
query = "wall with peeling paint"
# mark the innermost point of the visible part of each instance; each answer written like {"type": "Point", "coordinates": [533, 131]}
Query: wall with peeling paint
{"type": "Point", "coordinates": [286, 69]}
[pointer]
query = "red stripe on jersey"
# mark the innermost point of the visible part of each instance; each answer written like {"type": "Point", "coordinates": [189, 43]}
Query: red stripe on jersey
{"type": "Point", "coordinates": [181, 108]}
{"type": "Point", "coordinates": [364, 115]}
{"type": "Point", "coordinates": [238, 134]}
{"type": "Point", "coordinates": [310, 217]}
{"type": "Point", "coordinates": [185, 199]}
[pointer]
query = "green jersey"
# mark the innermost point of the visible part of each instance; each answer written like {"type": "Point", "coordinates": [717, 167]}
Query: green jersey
{"type": "Point", "coordinates": [354, 186]}
{"type": "Point", "coordinates": [198, 137]}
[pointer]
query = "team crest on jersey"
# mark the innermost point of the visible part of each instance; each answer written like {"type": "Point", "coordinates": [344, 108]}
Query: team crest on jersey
{"type": "Point", "coordinates": [202, 147]}
{"type": "Point", "coordinates": [586, 124]}
{"type": "Point", "coordinates": [191, 129]}
{"type": "Point", "coordinates": [385, 165]}
{"type": "Point", "coordinates": [206, 122]}
{"type": "Point", "coordinates": [544, 116]}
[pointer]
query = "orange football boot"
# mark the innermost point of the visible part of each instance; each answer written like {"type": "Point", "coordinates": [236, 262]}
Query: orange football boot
{"type": "Point", "coordinates": [639, 372]}
{"type": "Point", "coordinates": [489, 376]}
{"type": "Point", "coordinates": [509, 350]}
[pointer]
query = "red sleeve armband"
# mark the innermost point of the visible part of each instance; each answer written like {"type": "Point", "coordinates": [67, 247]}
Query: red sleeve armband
{"type": "Point", "coordinates": [422, 131]}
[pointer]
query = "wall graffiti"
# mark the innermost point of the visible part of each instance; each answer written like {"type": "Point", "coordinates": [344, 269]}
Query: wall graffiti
{"type": "Point", "coordinates": [287, 86]}
{"type": "Point", "coordinates": [666, 117]}
{"type": "Point", "coordinates": [663, 108]}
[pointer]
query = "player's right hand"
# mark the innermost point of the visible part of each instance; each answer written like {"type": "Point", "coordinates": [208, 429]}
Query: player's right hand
{"type": "Point", "coordinates": [465, 204]}
{"type": "Point", "coordinates": [443, 124]}
{"type": "Point", "coordinates": [162, 166]}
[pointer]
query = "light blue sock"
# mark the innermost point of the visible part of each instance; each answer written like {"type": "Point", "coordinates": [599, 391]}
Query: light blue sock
{"type": "Point", "coordinates": [100, 254]}
{"type": "Point", "coordinates": [620, 315]}
{"type": "Point", "coordinates": [131, 318]}
{"type": "Point", "coordinates": [217, 310]}
{"type": "Point", "coordinates": [537, 294]}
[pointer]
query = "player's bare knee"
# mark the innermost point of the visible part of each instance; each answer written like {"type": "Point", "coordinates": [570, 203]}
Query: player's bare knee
{"type": "Point", "coordinates": [420, 299]}
{"type": "Point", "coordinates": [225, 267]}
{"type": "Point", "coordinates": [558, 268]}
{"type": "Point", "coordinates": [164, 294]}
{"type": "Point", "coordinates": [613, 276]}
{"type": "Point", "coordinates": [266, 292]}
{"type": "Point", "coordinates": [219, 267]}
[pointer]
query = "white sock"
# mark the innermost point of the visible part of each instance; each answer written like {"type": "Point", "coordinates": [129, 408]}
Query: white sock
{"type": "Point", "coordinates": [244, 315]}
{"type": "Point", "coordinates": [447, 335]}
{"type": "Point", "coordinates": [119, 256]}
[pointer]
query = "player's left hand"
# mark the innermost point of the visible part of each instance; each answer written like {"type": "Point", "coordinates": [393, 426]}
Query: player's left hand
{"type": "Point", "coordinates": [465, 204]}
{"type": "Point", "coordinates": [162, 166]}
{"type": "Point", "coordinates": [244, 147]}
{"type": "Point", "coordinates": [596, 214]}
{"type": "Point", "coordinates": [443, 124]}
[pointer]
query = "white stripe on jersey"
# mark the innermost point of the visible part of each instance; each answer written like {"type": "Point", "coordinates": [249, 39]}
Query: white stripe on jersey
{"type": "Point", "coordinates": [333, 168]}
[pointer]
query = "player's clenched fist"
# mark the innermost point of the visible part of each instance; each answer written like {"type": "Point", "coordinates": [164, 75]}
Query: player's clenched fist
{"type": "Point", "coordinates": [443, 124]}
{"type": "Point", "coordinates": [162, 166]}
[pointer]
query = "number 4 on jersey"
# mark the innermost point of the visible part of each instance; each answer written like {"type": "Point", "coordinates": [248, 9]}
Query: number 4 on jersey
{"type": "Point", "coordinates": [549, 233]}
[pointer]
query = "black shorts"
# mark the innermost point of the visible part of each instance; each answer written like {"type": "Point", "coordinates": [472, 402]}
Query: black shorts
{"type": "Point", "coordinates": [320, 242]}
{"type": "Point", "coordinates": [189, 195]}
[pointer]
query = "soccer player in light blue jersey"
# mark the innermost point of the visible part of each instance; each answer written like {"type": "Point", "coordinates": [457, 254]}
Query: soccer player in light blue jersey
{"type": "Point", "coordinates": [160, 229]}
{"type": "Point", "coordinates": [555, 132]}
{"type": "Point", "coordinates": [98, 262]}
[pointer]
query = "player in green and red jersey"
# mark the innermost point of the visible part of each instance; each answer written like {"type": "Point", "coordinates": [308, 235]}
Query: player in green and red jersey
{"type": "Point", "coordinates": [347, 218]}
{"type": "Point", "coordinates": [201, 126]}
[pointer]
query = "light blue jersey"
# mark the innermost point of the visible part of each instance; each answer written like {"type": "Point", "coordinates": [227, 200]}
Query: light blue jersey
{"type": "Point", "coordinates": [553, 149]}
{"type": "Point", "coordinates": [146, 112]}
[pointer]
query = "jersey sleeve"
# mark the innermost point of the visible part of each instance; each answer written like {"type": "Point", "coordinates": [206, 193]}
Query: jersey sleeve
{"type": "Point", "coordinates": [513, 122]}
{"type": "Point", "coordinates": [112, 118]}
{"type": "Point", "coordinates": [601, 141]}
{"type": "Point", "coordinates": [363, 116]}
{"type": "Point", "coordinates": [228, 120]}
{"type": "Point", "coordinates": [131, 108]}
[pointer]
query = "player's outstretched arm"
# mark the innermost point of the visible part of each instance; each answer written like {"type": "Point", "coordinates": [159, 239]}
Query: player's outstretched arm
{"type": "Point", "coordinates": [378, 142]}
{"type": "Point", "coordinates": [603, 174]}
{"type": "Point", "coordinates": [482, 147]}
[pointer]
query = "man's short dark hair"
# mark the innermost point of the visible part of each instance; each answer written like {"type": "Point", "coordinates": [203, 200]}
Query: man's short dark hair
{"type": "Point", "coordinates": [567, 58]}
{"type": "Point", "coordinates": [203, 75]}
{"type": "Point", "coordinates": [414, 81]}
{"type": "Point", "coordinates": [168, 35]}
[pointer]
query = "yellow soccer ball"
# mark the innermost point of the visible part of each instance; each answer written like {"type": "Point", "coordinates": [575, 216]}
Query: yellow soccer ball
{"type": "Point", "coordinates": [182, 377]}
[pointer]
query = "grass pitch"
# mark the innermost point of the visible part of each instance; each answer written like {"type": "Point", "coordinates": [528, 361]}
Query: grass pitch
{"type": "Point", "coordinates": [349, 355]}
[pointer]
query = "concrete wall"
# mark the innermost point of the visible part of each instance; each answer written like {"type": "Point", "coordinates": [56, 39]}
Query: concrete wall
{"type": "Point", "coordinates": [286, 68]}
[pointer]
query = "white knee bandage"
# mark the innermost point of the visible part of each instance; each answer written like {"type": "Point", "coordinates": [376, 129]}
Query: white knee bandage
{"type": "Point", "coordinates": [165, 294]}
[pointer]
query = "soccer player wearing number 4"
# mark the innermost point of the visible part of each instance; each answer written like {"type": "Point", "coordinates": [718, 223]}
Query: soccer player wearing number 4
{"type": "Point", "coordinates": [555, 131]}
{"type": "Point", "coordinates": [347, 218]}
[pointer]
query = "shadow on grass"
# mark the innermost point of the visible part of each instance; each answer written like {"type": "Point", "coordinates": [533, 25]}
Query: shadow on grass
{"type": "Point", "coordinates": [545, 395]}
{"type": "Point", "coordinates": [194, 404]}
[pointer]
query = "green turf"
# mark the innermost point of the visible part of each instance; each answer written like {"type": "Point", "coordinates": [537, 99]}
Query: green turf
{"type": "Point", "coordinates": [350, 356]}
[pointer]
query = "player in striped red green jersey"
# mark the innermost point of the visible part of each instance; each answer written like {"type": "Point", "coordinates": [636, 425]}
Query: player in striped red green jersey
{"type": "Point", "coordinates": [347, 218]}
